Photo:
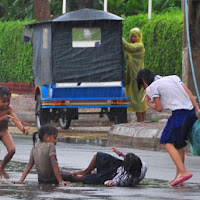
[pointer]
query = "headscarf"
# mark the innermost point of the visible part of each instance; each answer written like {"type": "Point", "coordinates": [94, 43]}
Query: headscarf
{"type": "Point", "coordinates": [136, 31]}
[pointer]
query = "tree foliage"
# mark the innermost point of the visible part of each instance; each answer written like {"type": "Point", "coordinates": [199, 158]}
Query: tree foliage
{"type": "Point", "coordinates": [24, 9]}
{"type": "Point", "coordinates": [134, 7]}
{"type": "Point", "coordinates": [11, 10]}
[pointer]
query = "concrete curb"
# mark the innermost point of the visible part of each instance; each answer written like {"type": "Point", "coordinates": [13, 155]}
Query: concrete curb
{"type": "Point", "coordinates": [137, 135]}
{"type": "Point", "coordinates": [140, 135]}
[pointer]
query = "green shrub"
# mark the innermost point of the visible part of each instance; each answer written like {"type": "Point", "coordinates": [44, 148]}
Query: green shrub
{"type": "Point", "coordinates": [15, 56]}
{"type": "Point", "coordinates": [162, 37]}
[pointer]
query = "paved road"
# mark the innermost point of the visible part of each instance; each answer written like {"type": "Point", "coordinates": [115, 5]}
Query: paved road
{"type": "Point", "coordinates": [77, 156]}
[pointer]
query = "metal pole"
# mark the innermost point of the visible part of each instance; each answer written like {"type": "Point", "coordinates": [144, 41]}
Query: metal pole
{"type": "Point", "coordinates": [64, 7]}
{"type": "Point", "coordinates": [105, 5]}
{"type": "Point", "coordinates": [149, 9]}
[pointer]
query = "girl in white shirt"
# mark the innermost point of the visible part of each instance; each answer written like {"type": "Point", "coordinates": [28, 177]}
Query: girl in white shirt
{"type": "Point", "coordinates": [170, 93]}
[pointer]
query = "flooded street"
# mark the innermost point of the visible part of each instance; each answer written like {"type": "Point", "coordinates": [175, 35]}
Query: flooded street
{"type": "Point", "coordinates": [73, 156]}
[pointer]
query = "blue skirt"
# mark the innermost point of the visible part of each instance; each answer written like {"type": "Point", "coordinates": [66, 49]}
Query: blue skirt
{"type": "Point", "coordinates": [106, 166]}
{"type": "Point", "coordinates": [178, 127]}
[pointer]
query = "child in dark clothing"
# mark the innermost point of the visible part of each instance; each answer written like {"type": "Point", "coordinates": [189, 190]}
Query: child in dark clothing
{"type": "Point", "coordinates": [112, 171]}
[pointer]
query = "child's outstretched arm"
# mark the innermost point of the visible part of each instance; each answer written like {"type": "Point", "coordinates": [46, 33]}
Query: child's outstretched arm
{"type": "Point", "coordinates": [17, 122]}
{"type": "Point", "coordinates": [56, 170]}
{"type": "Point", "coordinates": [26, 171]}
{"type": "Point", "coordinates": [194, 102]}
{"type": "Point", "coordinates": [119, 153]}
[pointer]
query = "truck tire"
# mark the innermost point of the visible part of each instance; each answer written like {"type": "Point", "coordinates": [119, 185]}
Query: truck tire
{"type": "Point", "coordinates": [42, 115]}
{"type": "Point", "coordinates": [65, 118]}
{"type": "Point", "coordinates": [118, 115]}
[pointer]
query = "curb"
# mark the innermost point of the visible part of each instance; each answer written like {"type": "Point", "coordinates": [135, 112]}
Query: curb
{"type": "Point", "coordinates": [140, 135]}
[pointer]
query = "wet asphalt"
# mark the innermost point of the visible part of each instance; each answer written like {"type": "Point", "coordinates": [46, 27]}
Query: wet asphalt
{"type": "Point", "coordinates": [73, 155]}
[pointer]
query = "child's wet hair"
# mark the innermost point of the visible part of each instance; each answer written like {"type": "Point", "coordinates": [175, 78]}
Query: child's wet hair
{"type": "Point", "coordinates": [132, 165]}
{"type": "Point", "coordinates": [4, 91]}
{"type": "Point", "coordinates": [46, 129]}
{"type": "Point", "coordinates": [144, 75]}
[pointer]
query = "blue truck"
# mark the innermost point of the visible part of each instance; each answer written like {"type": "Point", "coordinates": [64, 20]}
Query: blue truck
{"type": "Point", "coordinates": [78, 62]}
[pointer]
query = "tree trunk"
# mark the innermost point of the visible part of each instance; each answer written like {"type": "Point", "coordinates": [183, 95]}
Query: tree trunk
{"type": "Point", "coordinates": [42, 9]}
{"type": "Point", "coordinates": [84, 4]}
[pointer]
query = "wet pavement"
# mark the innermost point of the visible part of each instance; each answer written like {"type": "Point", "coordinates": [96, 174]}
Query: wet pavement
{"type": "Point", "coordinates": [76, 155]}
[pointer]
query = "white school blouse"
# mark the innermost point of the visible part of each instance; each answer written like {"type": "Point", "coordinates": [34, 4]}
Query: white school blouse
{"type": "Point", "coordinates": [171, 93]}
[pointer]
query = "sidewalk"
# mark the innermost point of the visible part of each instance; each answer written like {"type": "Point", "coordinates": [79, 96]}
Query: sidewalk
{"type": "Point", "coordinates": [143, 135]}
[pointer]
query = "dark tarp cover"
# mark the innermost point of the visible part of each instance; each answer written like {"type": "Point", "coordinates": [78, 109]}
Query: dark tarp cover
{"type": "Point", "coordinates": [55, 60]}
{"type": "Point", "coordinates": [42, 61]}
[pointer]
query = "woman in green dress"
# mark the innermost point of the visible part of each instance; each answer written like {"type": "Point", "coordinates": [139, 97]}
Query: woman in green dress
{"type": "Point", "coordinates": [135, 51]}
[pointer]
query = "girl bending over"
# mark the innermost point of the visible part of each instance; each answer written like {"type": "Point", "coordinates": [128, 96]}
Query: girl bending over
{"type": "Point", "coordinates": [170, 93]}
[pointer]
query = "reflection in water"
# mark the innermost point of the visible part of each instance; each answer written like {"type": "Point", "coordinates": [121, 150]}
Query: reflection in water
{"type": "Point", "coordinates": [75, 156]}
{"type": "Point", "coordinates": [99, 142]}
{"type": "Point", "coordinates": [148, 189]}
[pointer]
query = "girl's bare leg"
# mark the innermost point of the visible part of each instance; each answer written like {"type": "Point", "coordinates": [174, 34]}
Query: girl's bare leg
{"type": "Point", "coordinates": [178, 158]}
{"type": "Point", "coordinates": [182, 155]}
{"type": "Point", "coordinates": [141, 116]}
{"type": "Point", "coordinates": [9, 144]}
{"type": "Point", "coordinates": [79, 175]}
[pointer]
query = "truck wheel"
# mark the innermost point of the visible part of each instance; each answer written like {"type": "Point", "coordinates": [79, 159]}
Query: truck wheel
{"type": "Point", "coordinates": [65, 119]}
{"type": "Point", "coordinates": [42, 115]}
{"type": "Point", "coordinates": [119, 115]}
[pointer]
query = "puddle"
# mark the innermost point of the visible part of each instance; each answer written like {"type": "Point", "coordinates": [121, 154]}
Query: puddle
{"type": "Point", "coordinates": [98, 142]}
{"type": "Point", "coordinates": [75, 155]}
{"type": "Point", "coordinates": [147, 190]}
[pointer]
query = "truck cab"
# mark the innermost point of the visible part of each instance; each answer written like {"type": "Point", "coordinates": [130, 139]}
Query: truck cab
{"type": "Point", "coordinates": [78, 63]}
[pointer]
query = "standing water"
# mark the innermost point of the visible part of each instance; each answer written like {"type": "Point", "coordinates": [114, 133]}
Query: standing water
{"type": "Point", "coordinates": [73, 156]}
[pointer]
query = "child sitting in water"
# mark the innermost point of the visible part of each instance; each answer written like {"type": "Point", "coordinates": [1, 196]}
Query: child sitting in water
{"type": "Point", "coordinates": [112, 171]}
{"type": "Point", "coordinates": [7, 112]}
{"type": "Point", "coordinates": [43, 155]}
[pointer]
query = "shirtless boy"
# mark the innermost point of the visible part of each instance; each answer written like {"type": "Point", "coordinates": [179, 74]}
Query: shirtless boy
{"type": "Point", "coordinates": [6, 112]}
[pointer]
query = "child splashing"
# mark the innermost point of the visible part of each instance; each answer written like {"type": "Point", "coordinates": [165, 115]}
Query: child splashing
{"type": "Point", "coordinates": [7, 112]}
{"type": "Point", "coordinates": [43, 155]}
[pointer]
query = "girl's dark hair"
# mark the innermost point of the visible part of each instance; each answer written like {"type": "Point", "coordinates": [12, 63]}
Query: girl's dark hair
{"type": "Point", "coordinates": [46, 129]}
{"type": "Point", "coordinates": [146, 75]}
{"type": "Point", "coordinates": [132, 165]}
{"type": "Point", "coordinates": [4, 91]}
